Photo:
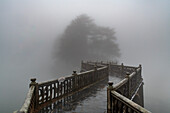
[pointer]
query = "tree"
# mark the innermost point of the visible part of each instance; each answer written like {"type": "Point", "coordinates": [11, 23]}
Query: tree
{"type": "Point", "coordinates": [84, 40]}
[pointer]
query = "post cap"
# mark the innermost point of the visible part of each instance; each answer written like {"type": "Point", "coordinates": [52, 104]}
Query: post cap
{"type": "Point", "coordinates": [127, 73]}
{"type": "Point", "coordinates": [74, 73]}
{"type": "Point", "coordinates": [33, 79]}
{"type": "Point", "coordinates": [110, 83]}
{"type": "Point", "coordinates": [95, 67]}
{"type": "Point", "coordinates": [33, 83]}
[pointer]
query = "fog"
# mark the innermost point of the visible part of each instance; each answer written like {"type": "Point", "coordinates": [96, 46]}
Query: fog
{"type": "Point", "coordinates": [29, 30]}
{"type": "Point", "coordinates": [83, 39]}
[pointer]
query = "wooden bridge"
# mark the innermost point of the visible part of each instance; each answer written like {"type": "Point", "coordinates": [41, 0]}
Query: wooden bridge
{"type": "Point", "coordinates": [123, 97]}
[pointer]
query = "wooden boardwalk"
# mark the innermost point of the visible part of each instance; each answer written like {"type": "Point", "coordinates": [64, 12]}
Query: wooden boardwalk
{"type": "Point", "coordinates": [90, 100]}
{"type": "Point", "coordinates": [66, 93]}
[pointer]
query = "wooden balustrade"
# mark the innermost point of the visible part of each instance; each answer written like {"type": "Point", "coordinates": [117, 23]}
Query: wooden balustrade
{"type": "Point", "coordinates": [120, 95]}
{"type": "Point", "coordinates": [40, 94]}
{"type": "Point", "coordinates": [121, 104]}
{"type": "Point", "coordinates": [69, 103]}
{"type": "Point", "coordinates": [57, 90]}
{"type": "Point", "coordinates": [85, 66]}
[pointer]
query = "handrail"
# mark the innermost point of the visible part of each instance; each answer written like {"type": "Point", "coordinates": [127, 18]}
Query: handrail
{"type": "Point", "coordinates": [29, 101]}
{"type": "Point", "coordinates": [127, 103]}
{"type": "Point", "coordinates": [86, 72]}
{"type": "Point", "coordinates": [120, 96]}
{"type": "Point", "coordinates": [124, 81]}
{"type": "Point", "coordinates": [42, 93]}
{"type": "Point", "coordinates": [133, 73]}
{"type": "Point", "coordinates": [119, 84]}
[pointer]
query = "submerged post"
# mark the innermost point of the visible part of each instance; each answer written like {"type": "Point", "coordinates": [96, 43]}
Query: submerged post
{"type": "Point", "coordinates": [109, 100]}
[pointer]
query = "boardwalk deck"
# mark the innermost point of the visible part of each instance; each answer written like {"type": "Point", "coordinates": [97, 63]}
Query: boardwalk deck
{"type": "Point", "coordinates": [91, 100]}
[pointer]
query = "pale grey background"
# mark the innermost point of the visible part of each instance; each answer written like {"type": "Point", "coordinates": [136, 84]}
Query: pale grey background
{"type": "Point", "coordinates": [28, 29]}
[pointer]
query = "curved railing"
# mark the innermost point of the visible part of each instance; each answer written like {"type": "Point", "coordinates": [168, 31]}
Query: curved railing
{"type": "Point", "coordinates": [120, 96]}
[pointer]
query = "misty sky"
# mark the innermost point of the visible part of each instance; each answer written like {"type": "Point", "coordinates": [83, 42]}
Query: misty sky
{"type": "Point", "coordinates": [29, 28]}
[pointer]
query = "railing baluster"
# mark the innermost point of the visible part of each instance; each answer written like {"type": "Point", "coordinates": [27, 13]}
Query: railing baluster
{"type": "Point", "coordinates": [46, 89]}
{"type": "Point", "coordinates": [58, 89]}
{"type": "Point", "coordinates": [55, 90]}
{"type": "Point", "coordinates": [64, 87]}
{"type": "Point", "coordinates": [51, 91]}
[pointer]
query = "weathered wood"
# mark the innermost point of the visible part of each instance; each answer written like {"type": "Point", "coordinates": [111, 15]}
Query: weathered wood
{"type": "Point", "coordinates": [128, 103]}
{"type": "Point", "coordinates": [109, 100]}
{"type": "Point", "coordinates": [125, 90]}
{"type": "Point", "coordinates": [91, 73]}
{"type": "Point", "coordinates": [55, 90]}
{"type": "Point", "coordinates": [29, 102]}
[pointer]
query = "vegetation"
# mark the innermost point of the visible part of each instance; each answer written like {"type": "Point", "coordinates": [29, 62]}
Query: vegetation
{"type": "Point", "coordinates": [84, 40]}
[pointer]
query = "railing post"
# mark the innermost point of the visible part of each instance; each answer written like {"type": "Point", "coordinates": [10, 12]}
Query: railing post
{"type": "Point", "coordinates": [95, 73]}
{"type": "Point", "coordinates": [33, 83]}
{"type": "Point", "coordinates": [95, 64]}
{"type": "Point", "coordinates": [122, 68]}
{"type": "Point", "coordinates": [109, 99]}
{"type": "Point", "coordinates": [108, 69]}
{"type": "Point", "coordinates": [75, 80]}
{"type": "Point", "coordinates": [81, 66]}
{"type": "Point", "coordinates": [128, 86]}
{"type": "Point", "coordinates": [140, 66]}
{"type": "Point", "coordinates": [74, 73]}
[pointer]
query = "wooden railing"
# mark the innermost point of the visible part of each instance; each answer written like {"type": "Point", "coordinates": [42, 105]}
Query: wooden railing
{"type": "Point", "coordinates": [120, 95]}
{"type": "Point", "coordinates": [69, 103]}
{"type": "Point", "coordinates": [85, 66]}
{"type": "Point", "coordinates": [121, 104]}
{"type": "Point", "coordinates": [29, 102]}
{"type": "Point", "coordinates": [58, 89]}
{"type": "Point", "coordinates": [40, 94]}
